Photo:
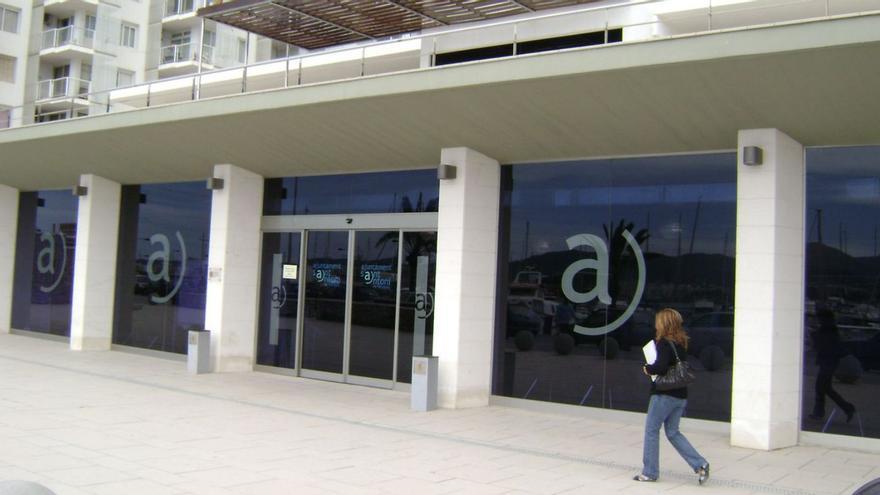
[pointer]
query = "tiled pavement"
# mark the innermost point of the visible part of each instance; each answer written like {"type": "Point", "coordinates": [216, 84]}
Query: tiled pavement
{"type": "Point", "coordinates": [118, 423]}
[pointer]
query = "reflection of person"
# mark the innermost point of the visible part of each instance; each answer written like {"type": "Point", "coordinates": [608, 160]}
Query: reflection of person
{"type": "Point", "coordinates": [826, 340]}
{"type": "Point", "coordinates": [564, 318]}
{"type": "Point", "coordinates": [666, 407]}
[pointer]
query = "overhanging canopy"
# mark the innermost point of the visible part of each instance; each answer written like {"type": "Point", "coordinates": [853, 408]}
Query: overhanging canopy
{"type": "Point", "coordinates": [319, 24]}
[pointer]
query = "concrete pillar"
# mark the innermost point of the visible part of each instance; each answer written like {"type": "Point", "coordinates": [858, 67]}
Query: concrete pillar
{"type": "Point", "coordinates": [8, 231]}
{"type": "Point", "coordinates": [769, 305]}
{"type": "Point", "coordinates": [467, 258]}
{"type": "Point", "coordinates": [94, 266]}
{"type": "Point", "coordinates": [234, 268]}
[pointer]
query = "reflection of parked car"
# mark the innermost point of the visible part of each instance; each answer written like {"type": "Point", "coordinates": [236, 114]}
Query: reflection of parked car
{"type": "Point", "coordinates": [520, 316]}
{"type": "Point", "coordinates": [861, 339]}
{"type": "Point", "coordinates": [711, 329]}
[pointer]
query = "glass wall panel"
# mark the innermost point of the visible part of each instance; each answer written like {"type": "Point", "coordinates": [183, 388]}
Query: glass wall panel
{"type": "Point", "coordinates": [590, 250]}
{"type": "Point", "coordinates": [373, 304]}
{"type": "Point", "coordinates": [279, 299]}
{"type": "Point", "coordinates": [418, 276]}
{"type": "Point", "coordinates": [161, 277]}
{"type": "Point", "coordinates": [45, 247]}
{"type": "Point", "coordinates": [842, 329]}
{"type": "Point", "coordinates": [323, 337]}
{"type": "Point", "coordinates": [384, 192]}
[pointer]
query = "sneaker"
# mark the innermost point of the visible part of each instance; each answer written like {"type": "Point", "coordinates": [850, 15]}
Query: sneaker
{"type": "Point", "coordinates": [642, 477]}
{"type": "Point", "coordinates": [703, 473]}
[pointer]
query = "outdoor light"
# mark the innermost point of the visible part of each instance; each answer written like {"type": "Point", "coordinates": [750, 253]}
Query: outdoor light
{"type": "Point", "coordinates": [79, 190]}
{"type": "Point", "coordinates": [445, 172]}
{"type": "Point", "coordinates": [753, 155]}
{"type": "Point", "coordinates": [214, 184]}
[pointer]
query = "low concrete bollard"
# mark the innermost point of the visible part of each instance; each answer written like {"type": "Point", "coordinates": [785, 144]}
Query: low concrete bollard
{"type": "Point", "coordinates": [423, 392]}
{"type": "Point", "coordinates": [198, 354]}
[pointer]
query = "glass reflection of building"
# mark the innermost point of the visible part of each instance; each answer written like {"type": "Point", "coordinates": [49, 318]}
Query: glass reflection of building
{"type": "Point", "coordinates": [162, 265]}
{"type": "Point", "coordinates": [843, 282]}
{"type": "Point", "coordinates": [46, 245]}
{"type": "Point", "coordinates": [681, 213]}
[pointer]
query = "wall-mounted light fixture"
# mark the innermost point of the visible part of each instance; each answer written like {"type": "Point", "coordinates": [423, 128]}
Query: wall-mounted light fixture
{"type": "Point", "coordinates": [79, 190]}
{"type": "Point", "coordinates": [214, 184]}
{"type": "Point", "coordinates": [445, 172]}
{"type": "Point", "coordinates": [753, 155]}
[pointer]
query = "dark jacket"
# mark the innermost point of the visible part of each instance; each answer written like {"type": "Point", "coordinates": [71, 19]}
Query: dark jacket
{"type": "Point", "coordinates": [665, 359]}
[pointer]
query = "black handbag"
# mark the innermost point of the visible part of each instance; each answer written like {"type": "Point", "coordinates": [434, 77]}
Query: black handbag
{"type": "Point", "coordinates": [679, 374]}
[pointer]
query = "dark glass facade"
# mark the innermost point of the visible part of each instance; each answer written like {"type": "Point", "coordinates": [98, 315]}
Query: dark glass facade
{"type": "Point", "coordinates": [161, 276]}
{"type": "Point", "coordinates": [589, 250]}
{"type": "Point", "coordinates": [384, 192]}
{"type": "Point", "coordinates": [45, 247]}
{"type": "Point", "coordinates": [842, 329]}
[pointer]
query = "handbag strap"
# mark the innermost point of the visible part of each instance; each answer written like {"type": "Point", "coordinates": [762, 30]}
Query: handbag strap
{"type": "Point", "coordinates": [671, 343]}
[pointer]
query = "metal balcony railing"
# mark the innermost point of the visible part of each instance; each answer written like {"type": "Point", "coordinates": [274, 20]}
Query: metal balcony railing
{"type": "Point", "coordinates": [62, 87]}
{"type": "Point", "coordinates": [187, 52]}
{"type": "Point", "coordinates": [69, 35]}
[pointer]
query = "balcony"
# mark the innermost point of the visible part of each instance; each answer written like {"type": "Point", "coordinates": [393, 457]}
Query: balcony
{"type": "Point", "coordinates": [181, 14]}
{"type": "Point", "coordinates": [64, 43]}
{"type": "Point", "coordinates": [175, 60]}
{"type": "Point", "coordinates": [68, 8]}
{"type": "Point", "coordinates": [62, 87]}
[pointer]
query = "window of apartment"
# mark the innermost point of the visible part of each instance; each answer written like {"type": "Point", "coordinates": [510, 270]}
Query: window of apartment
{"type": "Point", "coordinates": [91, 23]}
{"type": "Point", "coordinates": [210, 38]}
{"type": "Point", "coordinates": [7, 69]}
{"type": "Point", "coordinates": [8, 19]}
{"type": "Point", "coordinates": [279, 49]}
{"type": "Point", "coordinates": [128, 36]}
{"type": "Point", "coordinates": [124, 78]}
{"type": "Point", "coordinates": [242, 51]}
{"type": "Point", "coordinates": [181, 38]}
{"type": "Point", "coordinates": [5, 118]}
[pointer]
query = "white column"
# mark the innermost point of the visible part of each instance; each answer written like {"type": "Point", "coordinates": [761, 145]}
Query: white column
{"type": "Point", "coordinates": [233, 268]}
{"type": "Point", "coordinates": [769, 305]}
{"type": "Point", "coordinates": [467, 256]}
{"type": "Point", "coordinates": [8, 231]}
{"type": "Point", "coordinates": [94, 266]}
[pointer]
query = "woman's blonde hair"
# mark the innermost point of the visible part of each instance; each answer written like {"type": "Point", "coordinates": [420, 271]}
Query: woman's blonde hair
{"type": "Point", "coordinates": [668, 323]}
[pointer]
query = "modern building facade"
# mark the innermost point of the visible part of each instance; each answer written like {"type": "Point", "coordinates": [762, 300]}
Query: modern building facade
{"type": "Point", "coordinates": [517, 196]}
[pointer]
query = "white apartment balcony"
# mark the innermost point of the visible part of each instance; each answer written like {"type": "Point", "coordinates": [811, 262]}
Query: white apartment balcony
{"type": "Point", "coordinates": [180, 14]}
{"type": "Point", "coordinates": [68, 42]}
{"type": "Point", "coordinates": [62, 87]}
{"type": "Point", "coordinates": [66, 8]}
{"type": "Point", "coordinates": [177, 60]}
{"type": "Point", "coordinates": [61, 98]}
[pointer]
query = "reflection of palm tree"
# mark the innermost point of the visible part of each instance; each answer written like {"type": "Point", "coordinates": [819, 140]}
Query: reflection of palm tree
{"type": "Point", "coordinates": [416, 243]}
{"type": "Point", "coordinates": [616, 249]}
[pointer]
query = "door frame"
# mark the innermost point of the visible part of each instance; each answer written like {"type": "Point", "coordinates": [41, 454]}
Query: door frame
{"type": "Point", "coordinates": [302, 224]}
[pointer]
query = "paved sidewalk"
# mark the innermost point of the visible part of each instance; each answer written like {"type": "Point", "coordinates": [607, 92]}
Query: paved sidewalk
{"type": "Point", "coordinates": [118, 423]}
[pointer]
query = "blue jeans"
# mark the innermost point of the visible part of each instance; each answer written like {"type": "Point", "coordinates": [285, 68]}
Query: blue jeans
{"type": "Point", "coordinates": [666, 411]}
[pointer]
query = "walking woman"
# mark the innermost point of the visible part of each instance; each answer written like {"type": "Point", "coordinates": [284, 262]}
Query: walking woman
{"type": "Point", "coordinates": [666, 407]}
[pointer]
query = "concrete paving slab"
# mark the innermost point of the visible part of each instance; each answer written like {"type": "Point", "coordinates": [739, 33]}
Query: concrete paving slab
{"type": "Point", "coordinates": [116, 422]}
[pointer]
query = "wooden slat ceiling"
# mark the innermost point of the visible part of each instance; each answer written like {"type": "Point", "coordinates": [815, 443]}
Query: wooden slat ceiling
{"type": "Point", "coordinates": [315, 24]}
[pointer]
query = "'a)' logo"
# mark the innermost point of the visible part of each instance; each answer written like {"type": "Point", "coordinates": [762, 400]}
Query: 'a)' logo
{"type": "Point", "coordinates": [162, 257]}
{"type": "Point", "coordinates": [46, 259]}
{"type": "Point", "coordinates": [600, 290]}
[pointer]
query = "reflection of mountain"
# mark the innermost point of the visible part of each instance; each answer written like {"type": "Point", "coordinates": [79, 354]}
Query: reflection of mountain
{"type": "Point", "coordinates": [836, 273]}
{"type": "Point", "coordinates": [703, 269]}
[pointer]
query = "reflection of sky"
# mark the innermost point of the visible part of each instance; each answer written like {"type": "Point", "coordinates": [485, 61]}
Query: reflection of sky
{"type": "Point", "coordinates": [680, 200]}
{"type": "Point", "coordinates": [844, 183]}
{"type": "Point", "coordinates": [59, 207]}
{"type": "Point", "coordinates": [183, 207]}
{"type": "Point", "coordinates": [380, 192]}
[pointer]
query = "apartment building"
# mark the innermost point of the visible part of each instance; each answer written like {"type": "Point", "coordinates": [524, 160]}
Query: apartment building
{"type": "Point", "coordinates": [60, 58]}
{"type": "Point", "coordinates": [514, 187]}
